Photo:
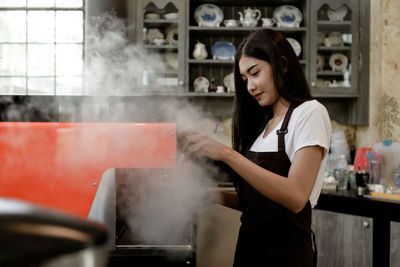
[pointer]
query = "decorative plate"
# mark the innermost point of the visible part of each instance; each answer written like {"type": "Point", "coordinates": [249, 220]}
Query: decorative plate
{"type": "Point", "coordinates": [208, 15]}
{"type": "Point", "coordinates": [288, 16]}
{"type": "Point", "coordinates": [337, 14]}
{"type": "Point", "coordinates": [338, 62]}
{"type": "Point", "coordinates": [295, 45]}
{"type": "Point", "coordinates": [229, 82]}
{"type": "Point", "coordinates": [223, 50]}
{"type": "Point", "coordinates": [172, 34]}
{"type": "Point", "coordinates": [201, 84]}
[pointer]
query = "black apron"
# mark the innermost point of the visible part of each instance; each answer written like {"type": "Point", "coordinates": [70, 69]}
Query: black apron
{"type": "Point", "coordinates": [270, 234]}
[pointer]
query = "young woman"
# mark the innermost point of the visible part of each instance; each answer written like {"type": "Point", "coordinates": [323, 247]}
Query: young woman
{"type": "Point", "coordinates": [281, 138]}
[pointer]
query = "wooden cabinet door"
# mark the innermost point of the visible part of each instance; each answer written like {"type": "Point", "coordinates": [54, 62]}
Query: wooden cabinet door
{"type": "Point", "coordinates": [342, 240]}
{"type": "Point", "coordinates": [394, 244]}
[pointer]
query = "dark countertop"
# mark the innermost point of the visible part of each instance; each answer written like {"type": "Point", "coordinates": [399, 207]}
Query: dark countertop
{"type": "Point", "coordinates": [348, 202]}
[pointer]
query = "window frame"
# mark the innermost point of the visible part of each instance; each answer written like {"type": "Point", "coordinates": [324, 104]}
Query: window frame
{"type": "Point", "coordinates": [54, 43]}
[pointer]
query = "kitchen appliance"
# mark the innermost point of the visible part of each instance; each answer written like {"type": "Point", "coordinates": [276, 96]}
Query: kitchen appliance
{"type": "Point", "coordinates": [35, 236]}
{"type": "Point", "coordinates": [81, 168]}
{"type": "Point", "coordinates": [150, 228]}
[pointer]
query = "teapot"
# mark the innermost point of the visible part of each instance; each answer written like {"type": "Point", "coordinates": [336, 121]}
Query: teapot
{"type": "Point", "coordinates": [250, 17]}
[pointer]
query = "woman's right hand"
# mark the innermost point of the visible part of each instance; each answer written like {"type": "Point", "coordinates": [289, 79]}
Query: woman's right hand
{"type": "Point", "coordinates": [196, 144]}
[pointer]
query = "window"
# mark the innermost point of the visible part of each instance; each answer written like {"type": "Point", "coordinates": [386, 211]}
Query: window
{"type": "Point", "coordinates": [41, 47]}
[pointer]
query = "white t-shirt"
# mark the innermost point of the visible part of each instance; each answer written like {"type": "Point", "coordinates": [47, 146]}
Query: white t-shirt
{"type": "Point", "coordinates": [309, 125]}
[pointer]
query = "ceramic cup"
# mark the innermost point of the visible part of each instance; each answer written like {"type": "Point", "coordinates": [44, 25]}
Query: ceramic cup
{"type": "Point", "coordinates": [267, 22]}
{"type": "Point", "coordinates": [347, 38]}
{"type": "Point", "coordinates": [220, 89]}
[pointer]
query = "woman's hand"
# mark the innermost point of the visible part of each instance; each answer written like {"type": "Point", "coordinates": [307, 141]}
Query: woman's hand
{"type": "Point", "coordinates": [197, 145]}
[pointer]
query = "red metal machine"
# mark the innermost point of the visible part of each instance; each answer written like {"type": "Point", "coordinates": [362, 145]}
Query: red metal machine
{"type": "Point", "coordinates": [60, 165]}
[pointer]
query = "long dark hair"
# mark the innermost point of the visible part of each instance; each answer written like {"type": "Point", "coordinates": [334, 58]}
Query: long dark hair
{"type": "Point", "coordinates": [289, 79]}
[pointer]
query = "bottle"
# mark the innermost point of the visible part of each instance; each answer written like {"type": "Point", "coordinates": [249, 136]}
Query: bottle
{"type": "Point", "coordinates": [341, 173]}
{"type": "Point", "coordinates": [396, 177]}
{"type": "Point", "coordinates": [213, 85]}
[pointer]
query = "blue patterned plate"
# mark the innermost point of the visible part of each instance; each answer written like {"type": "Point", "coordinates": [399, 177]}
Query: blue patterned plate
{"type": "Point", "coordinates": [223, 50]}
{"type": "Point", "coordinates": [288, 16]}
{"type": "Point", "coordinates": [208, 15]}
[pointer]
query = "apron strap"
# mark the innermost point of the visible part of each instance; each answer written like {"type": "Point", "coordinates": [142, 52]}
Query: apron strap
{"type": "Point", "coordinates": [283, 130]}
{"type": "Point", "coordinates": [314, 248]}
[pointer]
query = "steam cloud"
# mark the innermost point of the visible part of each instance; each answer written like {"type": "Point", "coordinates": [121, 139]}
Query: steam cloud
{"type": "Point", "coordinates": [113, 67]}
{"type": "Point", "coordinates": [160, 209]}
{"type": "Point", "coordinates": [113, 64]}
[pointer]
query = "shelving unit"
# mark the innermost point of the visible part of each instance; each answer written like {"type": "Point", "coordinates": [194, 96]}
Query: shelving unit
{"type": "Point", "coordinates": [218, 69]}
{"type": "Point", "coordinates": [347, 104]}
{"type": "Point", "coordinates": [169, 78]}
{"type": "Point", "coordinates": [342, 87]}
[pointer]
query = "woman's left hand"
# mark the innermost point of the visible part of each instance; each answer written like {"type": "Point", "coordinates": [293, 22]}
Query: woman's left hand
{"type": "Point", "coordinates": [197, 145]}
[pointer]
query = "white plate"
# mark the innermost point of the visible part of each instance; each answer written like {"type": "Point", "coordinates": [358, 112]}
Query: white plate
{"type": "Point", "coordinates": [337, 14]}
{"type": "Point", "coordinates": [208, 15]}
{"type": "Point", "coordinates": [338, 62]}
{"type": "Point", "coordinates": [201, 84]}
{"type": "Point", "coordinates": [295, 45]}
{"type": "Point", "coordinates": [172, 34]}
{"type": "Point", "coordinates": [229, 82]}
{"type": "Point", "coordinates": [288, 16]}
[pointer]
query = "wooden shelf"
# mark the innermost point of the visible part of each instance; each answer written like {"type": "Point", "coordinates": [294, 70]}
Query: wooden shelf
{"type": "Point", "coordinates": [334, 48]}
{"type": "Point", "coordinates": [329, 73]}
{"type": "Point", "coordinates": [246, 29]}
{"type": "Point", "coordinates": [154, 46]}
{"type": "Point", "coordinates": [160, 21]}
{"type": "Point", "coordinates": [210, 61]}
{"type": "Point", "coordinates": [334, 23]}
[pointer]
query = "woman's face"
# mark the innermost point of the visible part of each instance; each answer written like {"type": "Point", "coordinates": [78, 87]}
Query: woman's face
{"type": "Point", "coordinates": [257, 74]}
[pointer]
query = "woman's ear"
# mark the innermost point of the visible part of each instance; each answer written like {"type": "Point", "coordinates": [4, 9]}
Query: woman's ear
{"type": "Point", "coordinates": [284, 64]}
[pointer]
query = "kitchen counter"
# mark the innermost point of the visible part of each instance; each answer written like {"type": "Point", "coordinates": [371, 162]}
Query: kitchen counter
{"type": "Point", "coordinates": [348, 202]}
{"type": "Point", "coordinates": [381, 211]}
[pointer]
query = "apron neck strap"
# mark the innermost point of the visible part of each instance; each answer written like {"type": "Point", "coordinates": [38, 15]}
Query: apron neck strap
{"type": "Point", "coordinates": [284, 130]}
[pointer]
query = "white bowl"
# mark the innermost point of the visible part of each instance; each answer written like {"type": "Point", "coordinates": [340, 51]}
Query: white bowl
{"type": "Point", "coordinates": [152, 16]}
{"type": "Point", "coordinates": [171, 16]}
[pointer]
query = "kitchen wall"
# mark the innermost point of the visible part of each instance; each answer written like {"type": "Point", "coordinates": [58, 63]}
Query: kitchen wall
{"type": "Point", "coordinates": [384, 109]}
